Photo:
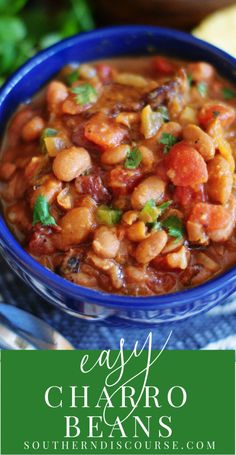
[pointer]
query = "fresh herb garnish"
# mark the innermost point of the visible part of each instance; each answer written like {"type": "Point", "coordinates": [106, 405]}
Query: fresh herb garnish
{"type": "Point", "coordinates": [41, 212]}
{"type": "Point", "coordinates": [190, 79]}
{"type": "Point", "coordinates": [155, 226]}
{"type": "Point", "coordinates": [228, 93]}
{"type": "Point", "coordinates": [168, 140]}
{"type": "Point", "coordinates": [164, 206]}
{"type": "Point", "coordinates": [108, 215]}
{"type": "Point", "coordinates": [163, 110]}
{"type": "Point", "coordinates": [174, 226]}
{"type": "Point", "coordinates": [133, 159]}
{"type": "Point", "coordinates": [202, 88]}
{"type": "Point", "coordinates": [150, 212]}
{"type": "Point", "coordinates": [73, 76]}
{"type": "Point", "coordinates": [85, 94]}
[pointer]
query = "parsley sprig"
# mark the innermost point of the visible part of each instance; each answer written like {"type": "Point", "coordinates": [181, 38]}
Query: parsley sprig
{"type": "Point", "coordinates": [174, 226]}
{"type": "Point", "coordinates": [84, 94]}
{"type": "Point", "coordinates": [41, 212]}
{"type": "Point", "coordinates": [168, 140]}
{"type": "Point", "coordinates": [133, 159]}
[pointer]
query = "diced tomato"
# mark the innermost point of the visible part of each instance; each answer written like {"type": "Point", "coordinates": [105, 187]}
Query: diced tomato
{"type": "Point", "coordinates": [210, 216]}
{"type": "Point", "coordinates": [92, 184]}
{"type": "Point", "coordinates": [105, 72]}
{"type": "Point", "coordinates": [123, 180]}
{"type": "Point", "coordinates": [186, 196]}
{"type": "Point", "coordinates": [212, 110]}
{"type": "Point", "coordinates": [185, 166]}
{"type": "Point", "coordinates": [161, 171]}
{"type": "Point", "coordinates": [104, 131]}
{"type": "Point", "coordinates": [163, 65]}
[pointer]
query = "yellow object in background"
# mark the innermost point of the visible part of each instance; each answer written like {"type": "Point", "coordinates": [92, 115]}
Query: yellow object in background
{"type": "Point", "coordinates": [219, 29]}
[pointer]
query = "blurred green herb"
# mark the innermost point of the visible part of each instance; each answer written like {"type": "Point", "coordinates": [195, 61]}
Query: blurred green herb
{"type": "Point", "coordinates": [26, 26]}
{"type": "Point", "coordinates": [168, 140]}
{"type": "Point", "coordinates": [202, 88]}
{"type": "Point", "coordinates": [84, 94]}
{"type": "Point", "coordinates": [228, 93]}
{"type": "Point", "coordinates": [133, 159]}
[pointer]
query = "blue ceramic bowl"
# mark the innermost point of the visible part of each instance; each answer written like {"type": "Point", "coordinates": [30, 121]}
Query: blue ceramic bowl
{"type": "Point", "coordinates": [79, 301]}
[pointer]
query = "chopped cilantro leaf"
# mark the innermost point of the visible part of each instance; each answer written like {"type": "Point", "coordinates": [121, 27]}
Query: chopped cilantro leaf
{"type": "Point", "coordinates": [150, 212]}
{"type": "Point", "coordinates": [174, 226]}
{"type": "Point", "coordinates": [202, 88]}
{"type": "Point", "coordinates": [168, 140]}
{"type": "Point", "coordinates": [164, 206]}
{"type": "Point", "coordinates": [190, 79]}
{"type": "Point", "coordinates": [41, 212]}
{"type": "Point", "coordinates": [85, 94]}
{"type": "Point", "coordinates": [228, 93]}
{"type": "Point", "coordinates": [73, 76]}
{"type": "Point", "coordinates": [108, 215]}
{"type": "Point", "coordinates": [155, 226]}
{"type": "Point", "coordinates": [133, 159]}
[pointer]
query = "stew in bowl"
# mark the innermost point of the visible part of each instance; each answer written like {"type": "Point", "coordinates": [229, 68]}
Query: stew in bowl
{"type": "Point", "coordinates": [119, 175]}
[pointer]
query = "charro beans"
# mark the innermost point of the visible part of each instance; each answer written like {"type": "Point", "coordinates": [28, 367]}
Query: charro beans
{"type": "Point", "coordinates": [120, 173]}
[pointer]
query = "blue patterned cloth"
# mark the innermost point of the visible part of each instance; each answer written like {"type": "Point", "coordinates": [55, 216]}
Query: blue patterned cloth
{"type": "Point", "coordinates": [215, 328]}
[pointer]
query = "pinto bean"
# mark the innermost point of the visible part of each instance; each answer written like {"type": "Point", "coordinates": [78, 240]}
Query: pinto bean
{"type": "Point", "coordinates": [220, 180]}
{"type": "Point", "coordinates": [130, 217]}
{"type": "Point", "coordinates": [200, 140]}
{"type": "Point", "coordinates": [49, 187]}
{"type": "Point", "coordinates": [33, 129]}
{"type": "Point", "coordinates": [70, 163]}
{"type": "Point", "coordinates": [109, 267]}
{"type": "Point", "coordinates": [147, 157]}
{"type": "Point", "coordinates": [106, 243]}
{"type": "Point", "coordinates": [150, 247]}
{"type": "Point", "coordinates": [178, 259]}
{"type": "Point", "coordinates": [76, 226]}
{"type": "Point", "coordinates": [115, 155]}
{"type": "Point", "coordinates": [7, 169]}
{"type": "Point", "coordinates": [150, 188]}
{"type": "Point", "coordinates": [56, 93]}
{"type": "Point", "coordinates": [201, 71]}
{"type": "Point", "coordinates": [137, 231]}
{"type": "Point", "coordinates": [173, 128]}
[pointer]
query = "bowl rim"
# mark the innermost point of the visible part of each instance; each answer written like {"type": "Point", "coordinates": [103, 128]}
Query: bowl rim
{"type": "Point", "coordinates": [56, 282]}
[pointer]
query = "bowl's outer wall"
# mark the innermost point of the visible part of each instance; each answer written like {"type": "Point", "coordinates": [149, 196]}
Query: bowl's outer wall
{"type": "Point", "coordinates": [108, 43]}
